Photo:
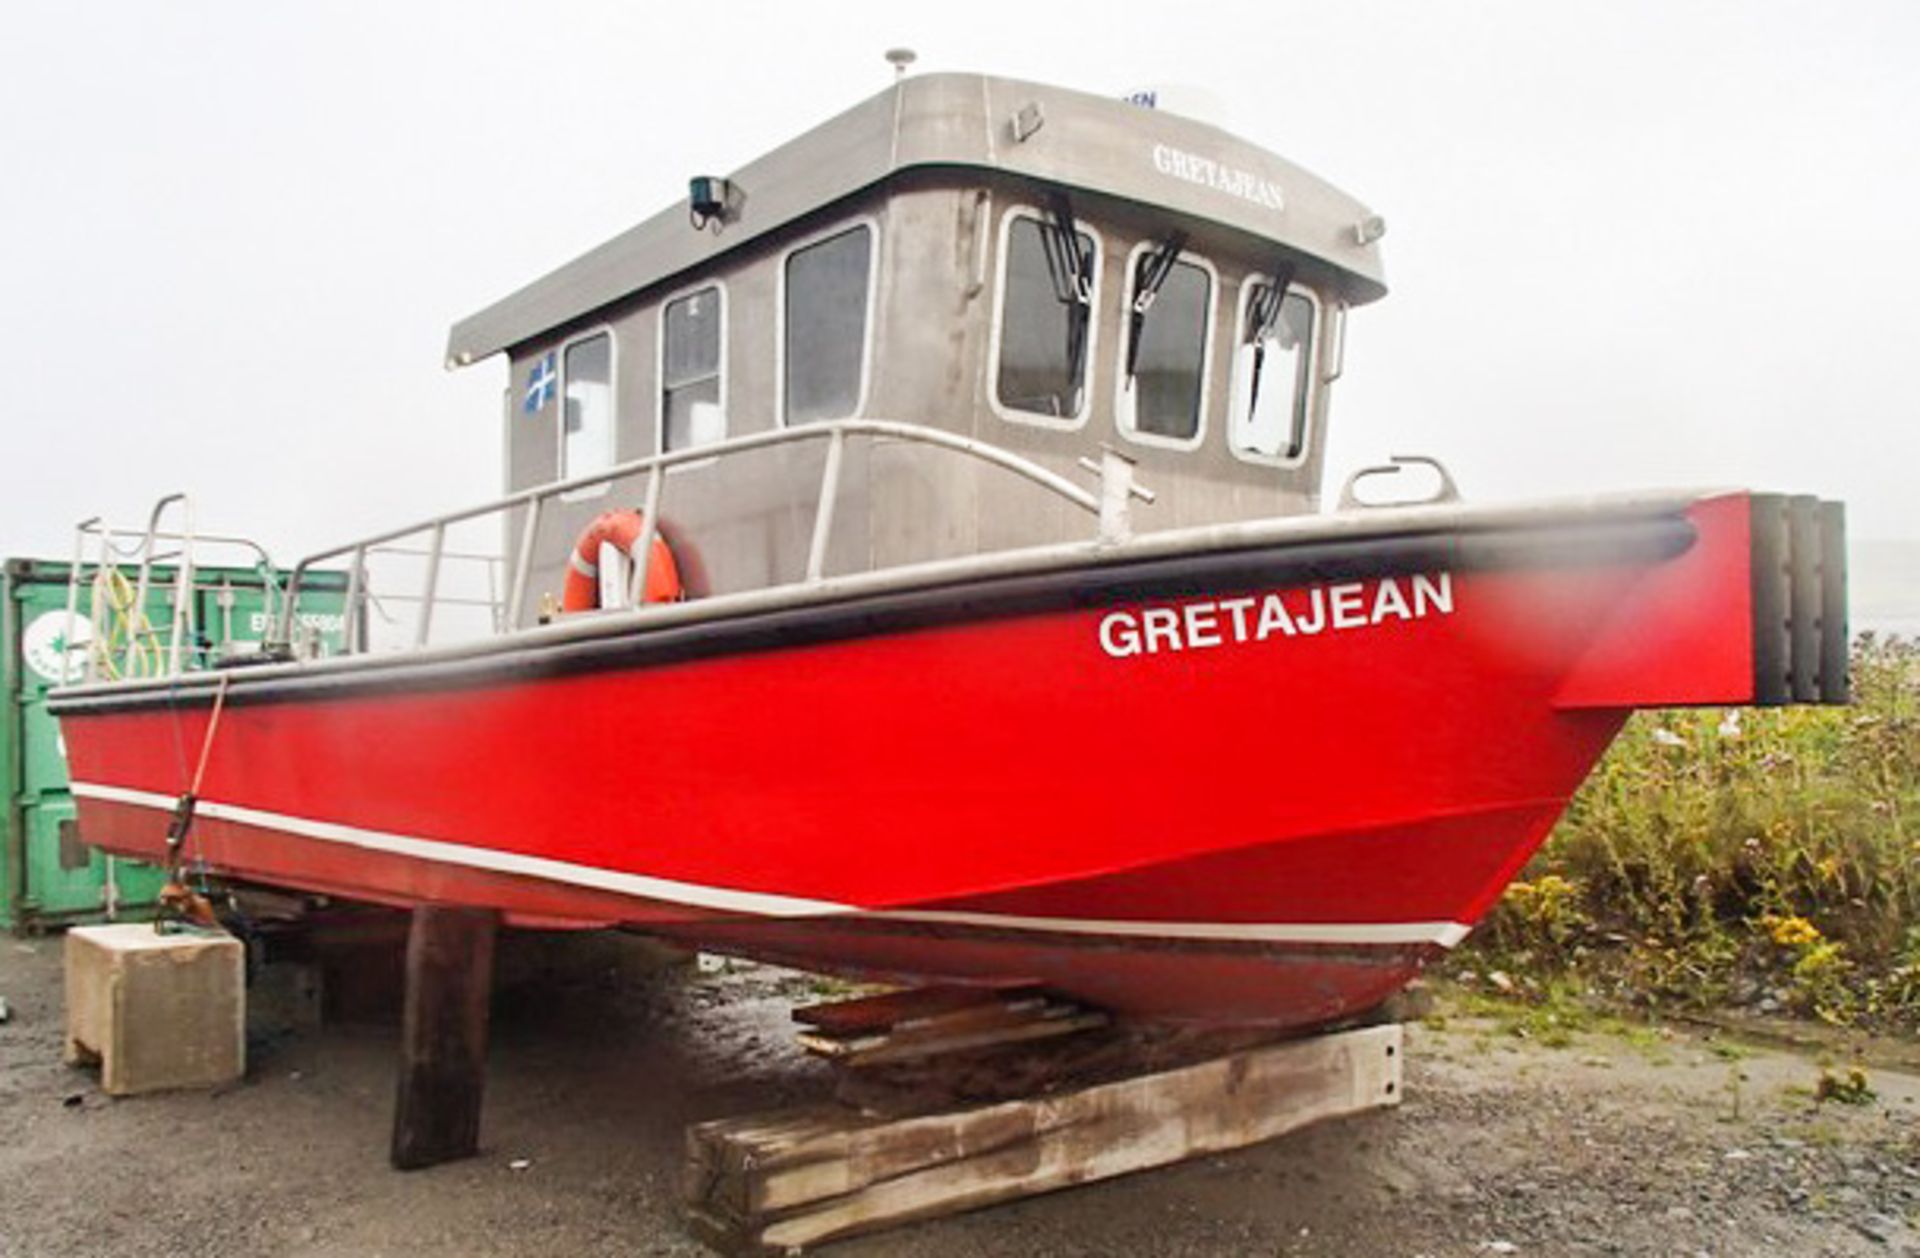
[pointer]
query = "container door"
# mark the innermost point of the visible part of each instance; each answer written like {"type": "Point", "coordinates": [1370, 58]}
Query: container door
{"type": "Point", "coordinates": [63, 878]}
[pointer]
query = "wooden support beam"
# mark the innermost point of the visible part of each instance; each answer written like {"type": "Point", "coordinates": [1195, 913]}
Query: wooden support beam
{"type": "Point", "coordinates": [443, 1035]}
{"type": "Point", "coordinates": [780, 1182]}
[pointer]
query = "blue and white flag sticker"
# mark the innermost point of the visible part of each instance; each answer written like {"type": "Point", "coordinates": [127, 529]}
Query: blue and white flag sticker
{"type": "Point", "coordinates": [542, 380]}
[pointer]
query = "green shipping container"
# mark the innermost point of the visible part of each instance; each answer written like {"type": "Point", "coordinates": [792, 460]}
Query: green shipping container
{"type": "Point", "coordinates": [49, 876]}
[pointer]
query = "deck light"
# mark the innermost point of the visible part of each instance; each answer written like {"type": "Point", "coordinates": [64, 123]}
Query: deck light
{"type": "Point", "coordinates": [1028, 120]}
{"type": "Point", "coordinates": [1369, 229]}
{"type": "Point", "coordinates": [711, 201]}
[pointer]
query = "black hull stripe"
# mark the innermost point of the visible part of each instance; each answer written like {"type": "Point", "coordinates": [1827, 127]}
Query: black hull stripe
{"type": "Point", "coordinates": [1635, 539]}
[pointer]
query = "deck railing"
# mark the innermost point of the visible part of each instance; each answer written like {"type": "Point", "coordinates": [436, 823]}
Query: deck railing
{"type": "Point", "coordinates": [1110, 505]}
{"type": "Point", "coordinates": [129, 640]}
{"type": "Point", "coordinates": [123, 640]}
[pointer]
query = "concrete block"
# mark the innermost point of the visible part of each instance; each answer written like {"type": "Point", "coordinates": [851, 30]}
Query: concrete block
{"type": "Point", "coordinates": [156, 1011]}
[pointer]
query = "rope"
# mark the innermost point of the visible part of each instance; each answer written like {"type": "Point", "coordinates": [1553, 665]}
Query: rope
{"type": "Point", "coordinates": [206, 744]}
{"type": "Point", "coordinates": [126, 625]}
{"type": "Point", "coordinates": [179, 903]}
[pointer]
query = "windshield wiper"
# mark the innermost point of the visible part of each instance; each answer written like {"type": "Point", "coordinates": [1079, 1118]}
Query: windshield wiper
{"type": "Point", "coordinates": [1070, 267]}
{"type": "Point", "coordinates": [1148, 275]}
{"type": "Point", "coordinates": [1263, 319]}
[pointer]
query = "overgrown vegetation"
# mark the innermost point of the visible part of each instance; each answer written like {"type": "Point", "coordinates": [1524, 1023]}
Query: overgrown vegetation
{"type": "Point", "coordinates": [1766, 859]}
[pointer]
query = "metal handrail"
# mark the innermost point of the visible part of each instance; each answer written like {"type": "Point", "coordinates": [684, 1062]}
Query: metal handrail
{"type": "Point", "coordinates": [182, 585]}
{"type": "Point", "coordinates": [73, 593]}
{"type": "Point", "coordinates": [1116, 486]}
{"type": "Point", "coordinates": [143, 552]}
{"type": "Point", "coordinates": [94, 524]}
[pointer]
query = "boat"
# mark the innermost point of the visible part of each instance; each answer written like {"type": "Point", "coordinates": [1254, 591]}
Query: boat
{"type": "Point", "coordinates": [916, 564]}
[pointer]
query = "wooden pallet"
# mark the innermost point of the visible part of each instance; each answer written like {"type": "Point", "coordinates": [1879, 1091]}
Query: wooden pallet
{"type": "Point", "coordinates": [772, 1183]}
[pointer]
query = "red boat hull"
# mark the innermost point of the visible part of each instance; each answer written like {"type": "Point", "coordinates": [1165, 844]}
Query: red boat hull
{"type": "Point", "coordinates": [1153, 792]}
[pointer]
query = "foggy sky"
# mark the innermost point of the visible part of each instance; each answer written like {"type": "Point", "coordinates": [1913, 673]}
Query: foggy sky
{"type": "Point", "coordinates": [1629, 244]}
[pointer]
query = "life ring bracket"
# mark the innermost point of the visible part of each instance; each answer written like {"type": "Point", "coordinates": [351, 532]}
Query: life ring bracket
{"type": "Point", "coordinates": [622, 530]}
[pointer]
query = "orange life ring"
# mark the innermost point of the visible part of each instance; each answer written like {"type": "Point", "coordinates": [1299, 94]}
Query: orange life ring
{"type": "Point", "coordinates": [621, 530]}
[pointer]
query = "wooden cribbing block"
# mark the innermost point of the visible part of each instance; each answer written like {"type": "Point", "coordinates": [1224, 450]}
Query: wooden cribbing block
{"type": "Point", "coordinates": [156, 1011]}
{"type": "Point", "coordinates": [929, 1022]}
{"type": "Point", "coordinates": [870, 1015]}
{"type": "Point", "coordinates": [783, 1181]}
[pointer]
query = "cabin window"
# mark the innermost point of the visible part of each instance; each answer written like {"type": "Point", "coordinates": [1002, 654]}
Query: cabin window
{"type": "Point", "coordinates": [825, 342]}
{"type": "Point", "coordinates": [1163, 365]}
{"type": "Point", "coordinates": [586, 410]}
{"type": "Point", "coordinates": [1272, 370]}
{"type": "Point", "coordinates": [1045, 324]}
{"type": "Point", "coordinates": [692, 329]}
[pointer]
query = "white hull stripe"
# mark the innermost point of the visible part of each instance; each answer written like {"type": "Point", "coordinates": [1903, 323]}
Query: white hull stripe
{"type": "Point", "coordinates": [486, 858]}
{"type": "Point", "coordinates": [1445, 934]}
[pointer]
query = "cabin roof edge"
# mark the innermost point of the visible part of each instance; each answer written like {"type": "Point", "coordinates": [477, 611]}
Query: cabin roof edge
{"type": "Point", "coordinates": [1081, 142]}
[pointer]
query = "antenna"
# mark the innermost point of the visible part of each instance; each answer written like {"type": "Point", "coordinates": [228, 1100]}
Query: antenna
{"type": "Point", "coordinates": [900, 59]}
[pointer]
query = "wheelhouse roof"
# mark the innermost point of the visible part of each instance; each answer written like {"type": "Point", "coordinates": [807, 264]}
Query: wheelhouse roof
{"type": "Point", "coordinates": [1083, 142]}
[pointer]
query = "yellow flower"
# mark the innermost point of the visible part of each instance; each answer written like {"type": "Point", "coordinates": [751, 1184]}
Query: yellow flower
{"type": "Point", "coordinates": [1791, 932]}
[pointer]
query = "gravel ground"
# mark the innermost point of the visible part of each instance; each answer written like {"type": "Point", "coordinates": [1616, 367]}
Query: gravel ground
{"type": "Point", "coordinates": [1660, 1142]}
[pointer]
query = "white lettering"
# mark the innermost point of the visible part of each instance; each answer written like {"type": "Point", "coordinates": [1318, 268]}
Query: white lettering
{"type": "Point", "coordinates": [1206, 623]}
{"type": "Point", "coordinates": [326, 622]}
{"type": "Point", "coordinates": [1273, 617]}
{"type": "Point", "coordinates": [1118, 635]}
{"type": "Point", "coordinates": [1237, 608]}
{"type": "Point", "coordinates": [1433, 592]}
{"type": "Point", "coordinates": [1388, 601]}
{"type": "Point", "coordinates": [1203, 627]}
{"type": "Point", "coordinates": [1318, 598]}
{"type": "Point", "coordinates": [1348, 612]}
{"type": "Point", "coordinates": [1161, 624]}
{"type": "Point", "coordinates": [1209, 173]}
